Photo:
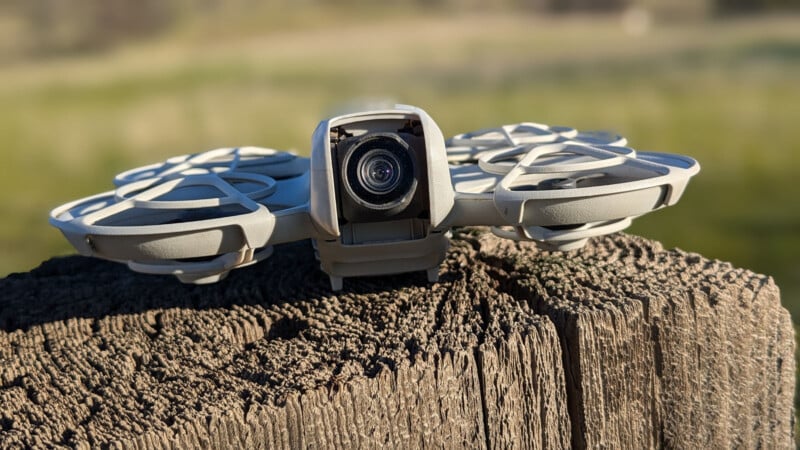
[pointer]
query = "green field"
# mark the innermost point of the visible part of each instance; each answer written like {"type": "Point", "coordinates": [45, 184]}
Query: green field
{"type": "Point", "coordinates": [725, 92]}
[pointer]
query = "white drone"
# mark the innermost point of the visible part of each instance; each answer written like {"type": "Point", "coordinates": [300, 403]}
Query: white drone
{"type": "Point", "coordinates": [378, 196]}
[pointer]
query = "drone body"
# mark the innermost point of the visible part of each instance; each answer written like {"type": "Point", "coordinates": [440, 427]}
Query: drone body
{"type": "Point", "coordinates": [378, 196]}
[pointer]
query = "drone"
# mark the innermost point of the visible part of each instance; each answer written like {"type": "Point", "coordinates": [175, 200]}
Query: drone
{"type": "Point", "coordinates": [378, 195]}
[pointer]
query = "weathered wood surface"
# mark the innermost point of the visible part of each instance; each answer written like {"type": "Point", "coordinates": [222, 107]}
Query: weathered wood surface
{"type": "Point", "coordinates": [621, 345]}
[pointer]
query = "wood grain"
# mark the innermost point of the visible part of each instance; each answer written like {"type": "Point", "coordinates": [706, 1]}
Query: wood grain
{"type": "Point", "coordinates": [620, 345]}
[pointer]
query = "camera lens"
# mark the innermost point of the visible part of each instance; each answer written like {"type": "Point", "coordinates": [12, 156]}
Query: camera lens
{"type": "Point", "coordinates": [379, 172]}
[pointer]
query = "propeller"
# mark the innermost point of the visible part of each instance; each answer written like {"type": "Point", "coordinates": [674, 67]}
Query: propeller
{"type": "Point", "coordinates": [194, 216]}
{"type": "Point", "coordinates": [558, 187]}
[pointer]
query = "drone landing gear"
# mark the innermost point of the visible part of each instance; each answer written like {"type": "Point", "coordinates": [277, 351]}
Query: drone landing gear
{"type": "Point", "coordinates": [341, 261]}
{"type": "Point", "coordinates": [562, 239]}
{"type": "Point", "coordinates": [203, 271]}
{"type": "Point", "coordinates": [337, 283]}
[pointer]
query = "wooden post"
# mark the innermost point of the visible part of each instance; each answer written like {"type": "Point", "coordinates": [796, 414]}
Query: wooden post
{"type": "Point", "coordinates": [620, 345]}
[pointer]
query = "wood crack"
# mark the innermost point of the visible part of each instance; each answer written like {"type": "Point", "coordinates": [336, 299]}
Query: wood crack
{"type": "Point", "coordinates": [622, 344]}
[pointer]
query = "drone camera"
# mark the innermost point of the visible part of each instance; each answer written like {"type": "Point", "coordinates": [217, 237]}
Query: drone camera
{"type": "Point", "coordinates": [382, 176]}
{"type": "Point", "coordinates": [374, 193]}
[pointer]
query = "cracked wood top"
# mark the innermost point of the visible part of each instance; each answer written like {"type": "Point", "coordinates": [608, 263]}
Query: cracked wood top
{"type": "Point", "coordinates": [621, 344]}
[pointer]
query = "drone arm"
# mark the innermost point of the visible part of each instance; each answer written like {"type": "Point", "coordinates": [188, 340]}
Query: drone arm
{"type": "Point", "coordinates": [293, 224]}
{"type": "Point", "coordinates": [474, 209]}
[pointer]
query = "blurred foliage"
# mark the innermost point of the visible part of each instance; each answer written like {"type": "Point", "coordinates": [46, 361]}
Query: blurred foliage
{"type": "Point", "coordinates": [47, 27]}
{"type": "Point", "coordinates": [749, 6]}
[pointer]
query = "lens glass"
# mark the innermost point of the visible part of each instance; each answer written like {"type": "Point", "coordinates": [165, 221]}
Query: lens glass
{"type": "Point", "coordinates": [379, 171]}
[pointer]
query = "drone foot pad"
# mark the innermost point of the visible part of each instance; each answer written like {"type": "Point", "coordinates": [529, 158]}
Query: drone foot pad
{"type": "Point", "coordinates": [341, 261]}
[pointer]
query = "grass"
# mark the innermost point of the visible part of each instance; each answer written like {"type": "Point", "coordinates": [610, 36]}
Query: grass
{"type": "Point", "coordinates": [723, 92]}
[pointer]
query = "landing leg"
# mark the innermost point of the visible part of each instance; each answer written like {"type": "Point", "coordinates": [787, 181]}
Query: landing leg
{"type": "Point", "coordinates": [337, 283]}
{"type": "Point", "coordinates": [433, 274]}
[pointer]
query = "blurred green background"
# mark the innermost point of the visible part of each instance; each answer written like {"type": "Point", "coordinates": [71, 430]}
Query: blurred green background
{"type": "Point", "coordinates": [91, 87]}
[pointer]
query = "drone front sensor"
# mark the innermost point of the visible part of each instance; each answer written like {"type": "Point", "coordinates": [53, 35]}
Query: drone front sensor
{"type": "Point", "coordinates": [378, 195]}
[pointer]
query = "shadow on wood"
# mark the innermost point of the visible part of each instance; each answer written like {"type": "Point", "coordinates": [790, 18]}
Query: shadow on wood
{"type": "Point", "coordinates": [621, 344]}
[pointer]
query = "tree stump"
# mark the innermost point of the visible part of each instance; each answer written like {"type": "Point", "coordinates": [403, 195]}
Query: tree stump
{"type": "Point", "coordinates": [619, 345]}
